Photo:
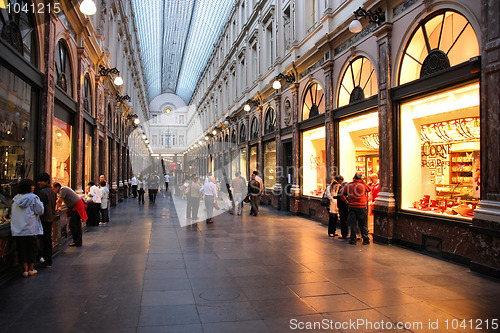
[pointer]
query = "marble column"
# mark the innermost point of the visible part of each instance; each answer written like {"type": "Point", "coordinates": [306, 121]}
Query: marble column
{"type": "Point", "coordinates": [486, 222]}
{"type": "Point", "coordinates": [47, 98]}
{"type": "Point", "coordinates": [279, 170]}
{"type": "Point", "coordinates": [384, 206]}
{"type": "Point", "coordinates": [329, 128]}
{"type": "Point", "coordinates": [296, 144]}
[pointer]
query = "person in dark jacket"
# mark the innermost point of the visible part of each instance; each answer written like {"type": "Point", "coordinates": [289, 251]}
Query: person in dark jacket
{"type": "Point", "coordinates": [343, 208]}
{"type": "Point", "coordinates": [48, 198]}
{"type": "Point", "coordinates": [254, 191]}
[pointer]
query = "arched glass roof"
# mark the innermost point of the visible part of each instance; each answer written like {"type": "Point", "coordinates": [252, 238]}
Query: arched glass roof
{"type": "Point", "coordinates": [176, 40]}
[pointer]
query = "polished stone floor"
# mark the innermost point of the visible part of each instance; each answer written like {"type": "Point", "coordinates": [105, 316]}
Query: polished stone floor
{"type": "Point", "coordinates": [271, 273]}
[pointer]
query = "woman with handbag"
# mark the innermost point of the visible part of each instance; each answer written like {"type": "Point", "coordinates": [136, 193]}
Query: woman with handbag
{"type": "Point", "coordinates": [333, 211]}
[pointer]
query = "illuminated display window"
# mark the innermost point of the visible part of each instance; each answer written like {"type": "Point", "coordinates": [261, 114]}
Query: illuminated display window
{"type": "Point", "coordinates": [444, 39]}
{"type": "Point", "coordinates": [359, 144]}
{"type": "Point", "coordinates": [253, 159]}
{"type": "Point", "coordinates": [314, 162]}
{"type": "Point", "coordinates": [243, 163]}
{"type": "Point", "coordinates": [440, 153]}
{"type": "Point", "coordinates": [269, 164]}
{"type": "Point", "coordinates": [358, 82]}
{"type": "Point", "coordinates": [314, 101]}
{"type": "Point", "coordinates": [61, 152]}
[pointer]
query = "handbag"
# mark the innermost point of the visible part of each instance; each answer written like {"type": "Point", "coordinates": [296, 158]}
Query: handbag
{"type": "Point", "coordinates": [247, 199]}
{"type": "Point", "coordinates": [325, 202]}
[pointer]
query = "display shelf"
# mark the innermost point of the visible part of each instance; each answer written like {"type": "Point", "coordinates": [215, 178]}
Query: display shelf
{"type": "Point", "coordinates": [461, 167]}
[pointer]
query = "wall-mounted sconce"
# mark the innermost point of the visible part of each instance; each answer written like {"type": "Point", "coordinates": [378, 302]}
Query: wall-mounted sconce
{"type": "Point", "coordinates": [88, 7]}
{"type": "Point", "coordinates": [103, 71]}
{"type": "Point", "coordinates": [374, 17]}
{"type": "Point", "coordinates": [277, 81]}
{"type": "Point", "coordinates": [122, 99]}
{"type": "Point", "coordinates": [248, 104]}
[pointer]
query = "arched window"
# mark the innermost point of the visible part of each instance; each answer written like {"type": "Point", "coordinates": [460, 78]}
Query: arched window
{"type": "Point", "coordinates": [358, 82]}
{"type": "Point", "coordinates": [18, 28]}
{"type": "Point", "coordinates": [442, 40]}
{"type": "Point", "coordinates": [110, 118]}
{"type": "Point", "coordinates": [87, 95]}
{"type": "Point", "coordinates": [270, 121]}
{"type": "Point", "coordinates": [243, 133]}
{"type": "Point", "coordinates": [254, 129]}
{"type": "Point", "coordinates": [314, 102]}
{"type": "Point", "coordinates": [63, 68]}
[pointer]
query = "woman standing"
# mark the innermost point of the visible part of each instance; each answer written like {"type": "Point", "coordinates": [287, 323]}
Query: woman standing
{"type": "Point", "coordinates": [104, 201]}
{"type": "Point", "coordinates": [333, 210]}
{"type": "Point", "coordinates": [25, 224]}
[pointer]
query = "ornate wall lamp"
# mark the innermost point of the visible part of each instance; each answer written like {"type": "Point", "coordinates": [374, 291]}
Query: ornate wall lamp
{"type": "Point", "coordinates": [249, 103]}
{"type": "Point", "coordinates": [229, 120]}
{"type": "Point", "coordinates": [122, 99]}
{"type": "Point", "coordinates": [290, 78]}
{"type": "Point", "coordinates": [103, 71]}
{"type": "Point", "coordinates": [374, 17]}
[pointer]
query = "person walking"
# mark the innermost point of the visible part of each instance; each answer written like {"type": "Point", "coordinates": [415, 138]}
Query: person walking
{"type": "Point", "coordinates": [25, 224]}
{"type": "Point", "coordinates": [93, 204]}
{"type": "Point", "coordinates": [238, 185]}
{"type": "Point", "coordinates": [153, 185]}
{"type": "Point", "coordinates": [193, 199]}
{"type": "Point", "coordinates": [134, 186]}
{"type": "Point", "coordinates": [140, 192]}
{"type": "Point", "coordinates": [104, 202]}
{"type": "Point", "coordinates": [209, 191]}
{"type": "Point", "coordinates": [255, 192]}
{"type": "Point", "coordinates": [76, 210]}
{"type": "Point", "coordinates": [167, 179]}
{"type": "Point", "coordinates": [355, 193]}
{"type": "Point", "coordinates": [48, 198]}
{"type": "Point", "coordinates": [343, 208]}
{"type": "Point", "coordinates": [333, 210]}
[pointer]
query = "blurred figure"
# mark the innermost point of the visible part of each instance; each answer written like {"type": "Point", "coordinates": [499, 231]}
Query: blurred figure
{"type": "Point", "coordinates": [209, 191]}
{"type": "Point", "coordinates": [255, 192]}
{"type": "Point", "coordinates": [238, 185]}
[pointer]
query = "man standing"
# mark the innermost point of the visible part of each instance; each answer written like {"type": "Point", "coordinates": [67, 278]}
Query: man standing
{"type": "Point", "coordinates": [255, 192]}
{"type": "Point", "coordinates": [343, 208]}
{"type": "Point", "coordinates": [209, 190]}
{"type": "Point", "coordinates": [167, 178]}
{"type": "Point", "coordinates": [134, 186]}
{"type": "Point", "coordinates": [356, 194]}
{"type": "Point", "coordinates": [76, 210]}
{"type": "Point", "coordinates": [238, 185]}
{"type": "Point", "coordinates": [193, 199]}
{"type": "Point", "coordinates": [48, 198]}
{"type": "Point", "coordinates": [257, 178]}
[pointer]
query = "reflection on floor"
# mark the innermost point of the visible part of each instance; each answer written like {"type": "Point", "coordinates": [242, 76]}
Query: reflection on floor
{"type": "Point", "coordinates": [271, 273]}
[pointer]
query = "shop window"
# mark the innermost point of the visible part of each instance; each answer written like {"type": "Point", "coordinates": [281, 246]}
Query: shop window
{"type": "Point", "coordinates": [87, 170]}
{"type": "Point", "coordinates": [253, 158]}
{"type": "Point", "coordinates": [87, 95]}
{"type": "Point", "coordinates": [440, 164]}
{"type": "Point", "coordinates": [63, 68]}
{"type": "Point", "coordinates": [18, 28]}
{"type": "Point", "coordinates": [243, 134]}
{"type": "Point", "coordinates": [269, 164]}
{"type": "Point", "coordinates": [359, 145]}
{"type": "Point", "coordinates": [314, 102]}
{"type": "Point", "coordinates": [442, 40]}
{"type": "Point", "coordinates": [254, 129]}
{"type": "Point", "coordinates": [270, 121]}
{"type": "Point", "coordinates": [314, 162]}
{"type": "Point", "coordinates": [243, 162]}
{"type": "Point", "coordinates": [61, 152]}
{"type": "Point", "coordinates": [358, 82]}
{"type": "Point", "coordinates": [17, 142]}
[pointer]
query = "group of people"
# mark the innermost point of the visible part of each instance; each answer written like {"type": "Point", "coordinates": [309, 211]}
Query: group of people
{"type": "Point", "coordinates": [151, 183]}
{"type": "Point", "coordinates": [34, 213]}
{"type": "Point", "coordinates": [349, 203]}
{"type": "Point", "coordinates": [236, 191]}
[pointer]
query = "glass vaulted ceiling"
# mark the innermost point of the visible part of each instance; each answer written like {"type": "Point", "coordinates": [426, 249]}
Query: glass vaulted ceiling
{"type": "Point", "coordinates": [176, 40]}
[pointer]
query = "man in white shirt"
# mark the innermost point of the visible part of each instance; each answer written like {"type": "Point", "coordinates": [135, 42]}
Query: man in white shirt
{"type": "Point", "coordinates": [93, 204]}
{"type": "Point", "coordinates": [209, 190]}
{"type": "Point", "coordinates": [134, 186]}
{"type": "Point", "coordinates": [166, 181]}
